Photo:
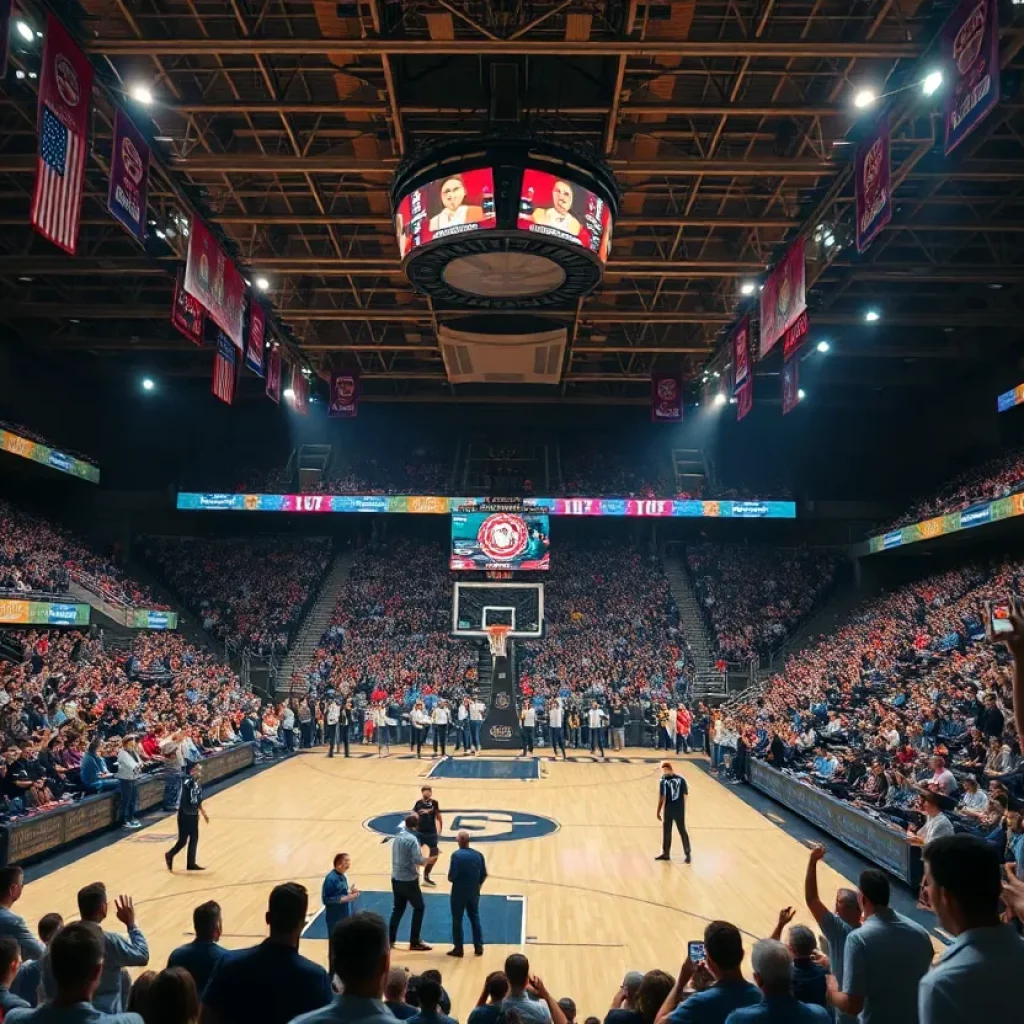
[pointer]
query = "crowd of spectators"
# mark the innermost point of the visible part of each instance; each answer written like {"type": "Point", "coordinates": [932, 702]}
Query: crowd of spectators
{"type": "Point", "coordinates": [995, 478]}
{"type": "Point", "coordinates": [39, 556]}
{"type": "Point", "coordinates": [250, 592]}
{"type": "Point", "coordinates": [421, 470]}
{"type": "Point", "coordinates": [605, 469]}
{"type": "Point", "coordinates": [753, 597]}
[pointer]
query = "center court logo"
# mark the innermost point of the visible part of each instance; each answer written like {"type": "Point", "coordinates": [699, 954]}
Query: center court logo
{"type": "Point", "coordinates": [482, 826]}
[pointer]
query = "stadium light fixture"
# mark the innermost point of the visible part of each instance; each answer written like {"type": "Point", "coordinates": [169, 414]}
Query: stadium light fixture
{"type": "Point", "coordinates": [719, 399]}
{"type": "Point", "coordinates": [142, 94]}
{"type": "Point", "coordinates": [148, 384]}
{"type": "Point", "coordinates": [747, 288]}
{"type": "Point", "coordinates": [289, 394]}
{"type": "Point", "coordinates": [26, 32]}
{"type": "Point", "coordinates": [872, 316]}
{"type": "Point", "coordinates": [823, 346]}
{"type": "Point", "coordinates": [801, 395]}
{"type": "Point", "coordinates": [931, 82]}
{"type": "Point", "coordinates": [263, 284]}
{"type": "Point", "coordinates": [865, 98]}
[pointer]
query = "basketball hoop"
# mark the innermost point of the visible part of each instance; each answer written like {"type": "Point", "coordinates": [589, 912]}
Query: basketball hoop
{"type": "Point", "coordinates": [497, 637]}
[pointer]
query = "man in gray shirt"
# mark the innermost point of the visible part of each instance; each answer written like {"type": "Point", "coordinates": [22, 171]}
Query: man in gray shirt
{"type": "Point", "coordinates": [406, 860]}
{"type": "Point", "coordinates": [12, 882]}
{"type": "Point", "coordinates": [885, 960]}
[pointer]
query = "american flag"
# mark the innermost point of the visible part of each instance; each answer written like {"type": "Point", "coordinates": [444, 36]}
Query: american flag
{"type": "Point", "coordinates": [224, 370]}
{"type": "Point", "coordinates": [57, 204]}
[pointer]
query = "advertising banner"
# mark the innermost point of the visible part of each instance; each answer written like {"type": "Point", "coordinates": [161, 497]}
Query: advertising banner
{"type": "Point", "coordinates": [43, 613]}
{"type": "Point", "coordinates": [212, 278]}
{"type": "Point", "coordinates": [129, 177]}
{"type": "Point", "coordinates": [15, 444]}
{"type": "Point", "coordinates": [872, 180]}
{"type": "Point", "coordinates": [187, 313]}
{"type": "Point", "coordinates": [970, 49]}
{"type": "Point", "coordinates": [666, 398]}
{"type": "Point", "coordinates": [257, 333]}
{"type": "Point", "coordinates": [741, 352]}
{"type": "Point", "coordinates": [784, 302]}
{"type": "Point", "coordinates": [148, 618]}
{"type": "Point", "coordinates": [344, 400]}
{"type": "Point", "coordinates": [1010, 399]}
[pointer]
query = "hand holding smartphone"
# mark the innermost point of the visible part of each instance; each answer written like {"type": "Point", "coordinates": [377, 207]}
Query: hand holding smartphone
{"type": "Point", "coordinates": [998, 617]}
{"type": "Point", "coordinates": [695, 952]}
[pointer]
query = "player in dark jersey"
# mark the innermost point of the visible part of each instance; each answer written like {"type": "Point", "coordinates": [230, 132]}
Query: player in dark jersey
{"type": "Point", "coordinates": [672, 810]}
{"type": "Point", "coordinates": [429, 825]}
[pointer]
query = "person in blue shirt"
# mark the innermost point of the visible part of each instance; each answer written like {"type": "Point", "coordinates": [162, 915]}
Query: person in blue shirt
{"type": "Point", "coordinates": [467, 871]}
{"type": "Point", "coordinates": [723, 955]}
{"type": "Point", "coordinates": [95, 776]}
{"type": "Point", "coordinates": [430, 1003]}
{"type": "Point", "coordinates": [336, 894]}
{"type": "Point", "coordinates": [773, 972]}
{"type": "Point", "coordinates": [200, 956]}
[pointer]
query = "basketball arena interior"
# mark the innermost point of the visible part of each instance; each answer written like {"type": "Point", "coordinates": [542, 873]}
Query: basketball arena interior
{"type": "Point", "coordinates": [509, 511]}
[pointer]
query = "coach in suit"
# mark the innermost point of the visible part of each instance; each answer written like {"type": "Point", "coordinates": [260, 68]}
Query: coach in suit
{"type": "Point", "coordinates": [467, 871]}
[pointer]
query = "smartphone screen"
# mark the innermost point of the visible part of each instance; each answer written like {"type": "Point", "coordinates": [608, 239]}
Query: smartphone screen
{"type": "Point", "coordinates": [999, 617]}
{"type": "Point", "coordinates": [696, 952]}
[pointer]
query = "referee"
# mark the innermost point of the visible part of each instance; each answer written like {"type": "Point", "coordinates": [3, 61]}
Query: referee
{"type": "Point", "coordinates": [189, 809]}
{"type": "Point", "coordinates": [672, 810]}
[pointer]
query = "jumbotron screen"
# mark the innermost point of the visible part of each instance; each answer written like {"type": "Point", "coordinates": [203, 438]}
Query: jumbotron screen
{"type": "Point", "coordinates": [550, 205]}
{"type": "Point", "coordinates": [455, 205]}
{"type": "Point", "coordinates": [500, 540]}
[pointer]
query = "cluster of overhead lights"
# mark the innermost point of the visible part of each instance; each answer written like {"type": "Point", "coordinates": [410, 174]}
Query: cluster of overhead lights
{"type": "Point", "coordinates": [866, 97]}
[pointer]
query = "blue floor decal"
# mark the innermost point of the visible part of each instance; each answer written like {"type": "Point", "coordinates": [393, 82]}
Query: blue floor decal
{"type": "Point", "coordinates": [485, 768]}
{"type": "Point", "coordinates": [501, 918]}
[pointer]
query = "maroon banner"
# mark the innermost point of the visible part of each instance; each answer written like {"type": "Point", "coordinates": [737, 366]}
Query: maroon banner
{"type": "Point", "coordinates": [212, 278]}
{"type": "Point", "coordinates": [65, 103]}
{"type": "Point", "coordinates": [257, 333]}
{"type": "Point", "coordinates": [790, 385]}
{"type": "Point", "coordinates": [224, 369]}
{"type": "Point", "coordinates": [344, 400]}
{"type": "Point", "coordinates": [744, 398]}
{"type": "Point", "coordinates": [873, 184]}
{"type": "Point", "coordinates": [784, 300]}
{"type": "Point", "coordinates": [129, 177]}
{"type": "Point", "coordinates": [666, 398]}
{"type": "Point", "coordinates": [187, 315]}
{"type": "Point", "coordinates": [274, 373]}
{"type": "Point", "coordinates": [741, 352]}
{"type": "Point", "coordinates": [970, 49]}
{"type": "Point", "coordinates": [300, 390]}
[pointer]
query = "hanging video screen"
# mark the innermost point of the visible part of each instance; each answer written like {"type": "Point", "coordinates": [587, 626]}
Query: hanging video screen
{"type": "Point", "coordinates": [550, 205]}
{"type": "Point", "coordinates": [500, 540]}
{"type": "Point", "coordinates": [454, 205]}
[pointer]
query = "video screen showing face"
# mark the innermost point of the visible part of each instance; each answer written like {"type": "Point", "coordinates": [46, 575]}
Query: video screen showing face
{"type": "Point", "coordinates": [454, 205]}
{"type": "Point", "coordinates": [500, 540]}
{"type": "Point", "coordinates": [553, 206]}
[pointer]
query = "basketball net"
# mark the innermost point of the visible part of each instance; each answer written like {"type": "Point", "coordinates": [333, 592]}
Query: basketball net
{"type": "Point", "coordinates": [497, 637]}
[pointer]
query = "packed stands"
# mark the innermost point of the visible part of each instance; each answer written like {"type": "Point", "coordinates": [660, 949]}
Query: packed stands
{"type": "Point", "coordinates": [37, 555]}
{"type": "Point", "coordinates": [606, 469]}
{"type": "Point", "coordinates": [753, 597]}
{"type": "Point", "coordinates": [421, 470]}
{"type": "Point", "coordinates": [249, 592]}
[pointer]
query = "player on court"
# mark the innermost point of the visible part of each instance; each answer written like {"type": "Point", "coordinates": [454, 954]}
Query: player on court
{"type": "Point", "coordinates": [429, 825]}
{"type": "Point", "coordinates": [672, 801]}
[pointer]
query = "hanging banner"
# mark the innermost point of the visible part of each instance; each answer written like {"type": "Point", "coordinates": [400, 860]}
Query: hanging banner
{"type": "Point", "coordinates": [129, 177]}
{"type": "Point", "coordinates": [274, 374]}
{"type": "Point", "coordinates": [212, 278]}
{"type": "Point", "coordinates": [224, 369]}
{"type": "Point", "coordinates": [744, 398]}
{"type": "Point", "coordinates": [873, 184]}
{"type": "Point", "coordinates": [300, 390]}
{"type": "Point", "coordinates": [741, 352]}
{"type": "Point", "coordinates": [187, 315]}
{"type": "Point", "coordinates": [790, 385]}
{"type": "Point", "coordinates": [970, 49]}
{"type": "Point", "coordinates": [344, 400]}
{"type": "Point", "coordinates": [666, 398]}
{"type": "Point", "coordinates": [257, 332]}
{"type": "Point", "coordinates": [784, 302]}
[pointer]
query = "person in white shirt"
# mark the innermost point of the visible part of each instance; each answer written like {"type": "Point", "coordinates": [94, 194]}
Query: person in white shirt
{"type": "Point", "coordinates": [527, 724]}
{"type": "Point", "coordinates": [441, 717]}
{"type": "Point", "coordinates": [463, 736]}
{"type": "Point", "coordinates": [974, 798]}
{"type": "Point", "coordinates": [943, 780]}
{"type": "Point", "coordinates": [556, 716]}
{"type": "Point", "coordinates": [559, 214]}
{"type": "Point", "coordinates": [477, 710]}
{"type": "Point", "coordinates": [382, 727]}
{"type": "Point", "coordinates": [129, 768]}
{"type": "Point", "coordinates": [936, 824]}
{"type": "Point", "coordinates": [455, 211]}
{"type": "Point", "coordinates": [420, 723]}
{"type": "Point", "coordinates": [287, 717]}
{"type": "Point", "coordinates": [596, 719]}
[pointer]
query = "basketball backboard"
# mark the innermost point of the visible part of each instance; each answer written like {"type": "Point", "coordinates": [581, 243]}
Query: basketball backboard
{"type": "Point", "coordinates": [478, 605]}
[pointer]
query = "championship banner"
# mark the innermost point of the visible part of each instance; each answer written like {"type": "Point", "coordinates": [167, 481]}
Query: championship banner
{"type": "Point", "coordinates": [187, 315]}
{"type": "Point", "coordinates": [344, 400]}
{"type": "Point", "coordinates": [65, 103]}
{"type": "Point", "coordinates": [257, 332]}
{"type": "Point", "coordinates": [129, 177]}
{"type": "Point", "coordinates": [224, 369]}
{"type": "Point", "coordinates": [666, 398]}
{"type": "Point", "coordinates": [784, 302]}
{"type": "Point", "coordinates": [274, 374]}
{"type": "Point", "coordinates": [300, 390]}
{"type": "Point", "coordinates": [744, 398]}
{"type": "Point", "coordinates": [211, 277]}
{"type": "Point", "coordinates": [741, 352]}
{"type": "Point", "coordinates": [873, 184]}
{"type": "Point", "coordinates": [790, 385]}
{"type": "Point", "coordinates": [970, 48]}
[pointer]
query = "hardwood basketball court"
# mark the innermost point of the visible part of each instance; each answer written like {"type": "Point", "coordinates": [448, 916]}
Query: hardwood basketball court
{"type": "Point", "coordinates": [596, 902]}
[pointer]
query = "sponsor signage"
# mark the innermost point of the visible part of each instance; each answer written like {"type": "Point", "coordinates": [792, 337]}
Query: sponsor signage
{"type": "Point", "coordinates": [15, 444]}
{"type": "Point", "coordinates": [43, 613]}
